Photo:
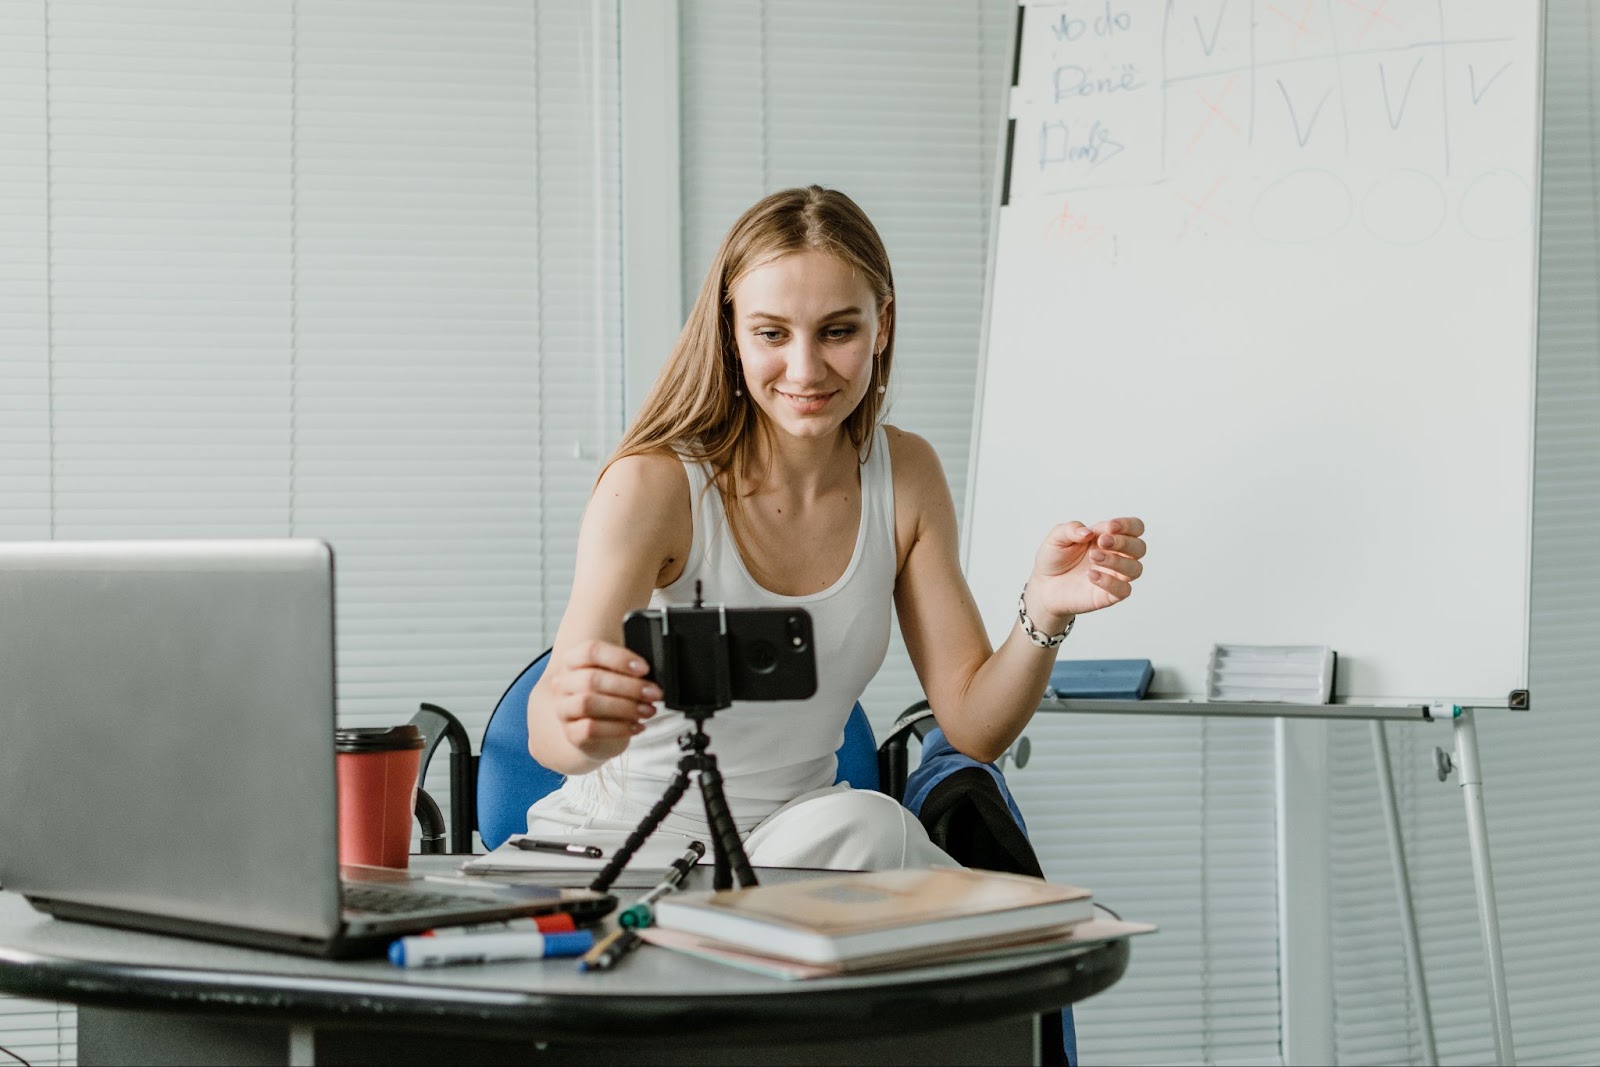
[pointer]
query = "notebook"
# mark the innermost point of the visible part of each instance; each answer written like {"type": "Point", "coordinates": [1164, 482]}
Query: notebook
{"type": "Point", "coordinates": [845, 918]}
{"type": "Point", "coordinates": [652, 857]}
{"type": "Point", "coordinates": [167, 762]}
{"type": "Point", "coordinates": [1013, 946]}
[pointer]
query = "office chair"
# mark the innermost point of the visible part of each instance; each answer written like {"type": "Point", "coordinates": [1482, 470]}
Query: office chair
{"type": "Point", "coordinates": [492, 791]}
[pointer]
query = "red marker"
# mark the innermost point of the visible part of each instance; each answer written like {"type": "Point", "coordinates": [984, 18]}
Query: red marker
{"type": "Point", "coordinates": [533, 924]}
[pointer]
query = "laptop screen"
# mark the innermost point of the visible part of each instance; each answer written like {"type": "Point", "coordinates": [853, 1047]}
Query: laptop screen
{"type": "Point", "coordinates": [166, 724]}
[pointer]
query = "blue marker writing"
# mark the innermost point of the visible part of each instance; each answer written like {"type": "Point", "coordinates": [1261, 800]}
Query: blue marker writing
{"type": "Point", "coordinates": [487, 948]}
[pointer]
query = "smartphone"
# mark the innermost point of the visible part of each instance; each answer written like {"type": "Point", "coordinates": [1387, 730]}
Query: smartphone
{"type": "Point", "coordinates": [704, 658]}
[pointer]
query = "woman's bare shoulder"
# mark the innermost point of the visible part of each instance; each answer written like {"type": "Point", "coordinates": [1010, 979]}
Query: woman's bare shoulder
{"type": "Point", "coordinates": [922, 501]}
{"type": "Point", "coordinates": [916, 465]}
{"type": "Point", "coordinates": [653, 478]}
{"type": "Point", "coordinates": [640, 508]}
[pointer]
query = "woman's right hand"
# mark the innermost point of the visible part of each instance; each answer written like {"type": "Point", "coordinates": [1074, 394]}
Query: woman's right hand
{"type": "Point", "coordinates": [601, 698]}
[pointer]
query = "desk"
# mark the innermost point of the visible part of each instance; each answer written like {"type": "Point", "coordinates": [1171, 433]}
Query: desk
{"type": "Point", "coordinates": [145, 998]}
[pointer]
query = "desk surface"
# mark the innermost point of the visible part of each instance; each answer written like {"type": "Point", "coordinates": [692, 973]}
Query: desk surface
{"type": "Point", "coordinates": [651, 994]}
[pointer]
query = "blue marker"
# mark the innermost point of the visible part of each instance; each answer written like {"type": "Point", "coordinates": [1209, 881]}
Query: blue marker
{"type": "Point", "coordinates": [487, 948]}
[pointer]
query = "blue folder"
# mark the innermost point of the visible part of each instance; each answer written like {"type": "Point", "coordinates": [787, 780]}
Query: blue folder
{"type": "Point", "coordinates": [1101, 679]}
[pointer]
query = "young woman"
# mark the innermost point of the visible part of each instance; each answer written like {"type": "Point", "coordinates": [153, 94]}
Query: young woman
{"type": "Point", "coordinates": [758, 467]}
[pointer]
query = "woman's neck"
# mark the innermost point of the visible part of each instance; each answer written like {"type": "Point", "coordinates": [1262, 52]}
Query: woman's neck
{"type": "Point", "coordinates": [804, 468]}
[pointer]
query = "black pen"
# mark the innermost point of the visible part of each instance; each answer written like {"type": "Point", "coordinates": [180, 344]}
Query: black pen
{"type": "Point", "coordinates": [609, 950]}
{"type": "Point", "coordinates": [530, 845]}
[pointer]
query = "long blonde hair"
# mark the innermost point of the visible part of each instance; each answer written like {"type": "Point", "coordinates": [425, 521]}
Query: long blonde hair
{"type": "Point", "coordinates": [692, 408]}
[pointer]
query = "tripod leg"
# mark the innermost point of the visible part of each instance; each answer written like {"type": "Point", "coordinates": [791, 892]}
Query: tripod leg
{"type": "Point", "coordinates": [619, 860]}
{"type": "Point", "coordinates": [723, 830]}
{"type": "Point", "coordinates": [721, 873]}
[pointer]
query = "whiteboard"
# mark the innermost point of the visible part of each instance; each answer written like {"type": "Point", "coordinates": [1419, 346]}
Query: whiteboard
{"type": "Point", "coordinates": [1264, 275]}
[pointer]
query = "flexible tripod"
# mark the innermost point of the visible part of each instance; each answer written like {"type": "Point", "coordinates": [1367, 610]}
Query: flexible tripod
{"type": "Point", "coordinates": [695, 654]}
{"type": "Point", "coordinates": [727, 851]}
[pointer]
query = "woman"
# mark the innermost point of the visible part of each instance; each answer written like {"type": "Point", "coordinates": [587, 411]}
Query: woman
{"type": "Point", "coordinates": [758, 467]}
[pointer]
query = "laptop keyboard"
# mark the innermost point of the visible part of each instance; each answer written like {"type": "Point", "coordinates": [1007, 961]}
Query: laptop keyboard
{"type": "Point", "coordinates": [378, 898]}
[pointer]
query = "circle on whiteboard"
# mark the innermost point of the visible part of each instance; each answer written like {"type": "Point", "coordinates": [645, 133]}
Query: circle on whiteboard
{"type": "Point", "coordinates": [1302, 206]}
{"type": "Point", "coordinates": [1404, 207]}
{"type": "Point", "coordinates": [1496, 206]}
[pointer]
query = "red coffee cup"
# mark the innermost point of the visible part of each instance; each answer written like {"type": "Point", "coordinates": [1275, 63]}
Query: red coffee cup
{"type": "Point", "coordinates": [377, 769]}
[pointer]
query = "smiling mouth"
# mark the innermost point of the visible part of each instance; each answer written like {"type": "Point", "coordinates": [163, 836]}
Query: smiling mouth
{"type": "Point", "coordinates": [807, 398]}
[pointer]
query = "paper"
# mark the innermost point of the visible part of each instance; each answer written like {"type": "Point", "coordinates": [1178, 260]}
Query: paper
{"type": "Point", "coordinates": [654, 857]}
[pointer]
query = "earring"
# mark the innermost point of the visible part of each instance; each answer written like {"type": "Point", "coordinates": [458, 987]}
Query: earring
{"type": "Point", "coordinates": [875, 356]}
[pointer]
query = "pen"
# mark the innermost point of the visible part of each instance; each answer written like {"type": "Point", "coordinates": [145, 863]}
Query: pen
{"type": "Point", "coordinates": [641, 913]}
{"type": "Point", "coordinates": [530, 845]}
{"type": "Point", "coordinates": [609, 950]}
{"type": "Point", "coordinates": [486, 948]}
{"type": "Point", "coordinates": [536, 924]}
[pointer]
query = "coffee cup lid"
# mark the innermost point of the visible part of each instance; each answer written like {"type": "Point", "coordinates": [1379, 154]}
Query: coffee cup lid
{"type": "Point", "coordinates": [378, 738]}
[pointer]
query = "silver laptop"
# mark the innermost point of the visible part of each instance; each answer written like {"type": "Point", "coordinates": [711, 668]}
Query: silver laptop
{"type": "Point", "coordinates": [167, 758]}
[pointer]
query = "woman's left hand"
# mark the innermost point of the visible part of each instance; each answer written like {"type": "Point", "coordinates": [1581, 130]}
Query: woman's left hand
{"type": "Point", "coordinates": [1084, 568]}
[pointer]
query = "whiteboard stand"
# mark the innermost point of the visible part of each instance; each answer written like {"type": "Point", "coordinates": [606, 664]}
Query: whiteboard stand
{"type": "Point", "coordinates": [1402, 889]}
{"type": "Point", "coordinates": [1464, 759]}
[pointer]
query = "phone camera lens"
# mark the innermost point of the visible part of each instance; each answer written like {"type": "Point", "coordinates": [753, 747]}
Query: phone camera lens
{"type": "Point", "coordinates": [797, 634]}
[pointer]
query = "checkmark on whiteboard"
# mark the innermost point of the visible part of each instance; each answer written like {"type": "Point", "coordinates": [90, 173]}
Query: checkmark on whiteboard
{"type": "Point", "coordinates": [1383, 79]}
{"type": "Point", "coordinates": [1216, 28]}
{"type": "Point", "coordinates": [1472, 81]}
{"type": "Point", "coordinates": [1303, 135]}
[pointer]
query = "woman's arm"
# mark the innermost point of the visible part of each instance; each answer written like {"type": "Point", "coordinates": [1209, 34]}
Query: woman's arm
{"type": "Point", "coordinates": [982, 697]}
{"type": "Point", "coordinates": [593, 698]}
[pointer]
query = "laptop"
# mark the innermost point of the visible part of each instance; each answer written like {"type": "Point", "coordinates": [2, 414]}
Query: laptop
{"type": "Point", "coordinates": [167, 755]}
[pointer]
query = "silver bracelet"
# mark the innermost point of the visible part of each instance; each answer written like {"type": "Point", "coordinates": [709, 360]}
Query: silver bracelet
{"type": "Point", "coordinates": [1032, 631]}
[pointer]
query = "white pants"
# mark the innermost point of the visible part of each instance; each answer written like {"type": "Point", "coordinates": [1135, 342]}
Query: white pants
{"type": "Point", "coordinates": [837, 828]}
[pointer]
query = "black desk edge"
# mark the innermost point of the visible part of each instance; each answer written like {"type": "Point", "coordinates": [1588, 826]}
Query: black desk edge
{"type": "Point", "coordinates": [790, 1013]}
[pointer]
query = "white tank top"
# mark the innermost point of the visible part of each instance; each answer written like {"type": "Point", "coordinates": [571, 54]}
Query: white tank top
{"type": "Point", "coordinates": [768, 752]}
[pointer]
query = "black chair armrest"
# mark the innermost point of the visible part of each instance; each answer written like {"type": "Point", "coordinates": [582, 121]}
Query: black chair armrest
{"type": "Point", "coordinates": [893, 760]}
{"type": "Point", "coordinates": [894, 763]}
{"type": "Point", "coordinates": [438, 725]}
{"type": "Point", "coordinates": [432, 822]}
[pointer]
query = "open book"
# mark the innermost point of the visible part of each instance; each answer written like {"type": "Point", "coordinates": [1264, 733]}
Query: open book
{"type": "Point", "coordinates": [846, 917]}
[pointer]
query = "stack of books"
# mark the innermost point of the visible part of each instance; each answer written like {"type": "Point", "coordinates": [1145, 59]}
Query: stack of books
{"type": "Point", "coordinates": [879, 920]}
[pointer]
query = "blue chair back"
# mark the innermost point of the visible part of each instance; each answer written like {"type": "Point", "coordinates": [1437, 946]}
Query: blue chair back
{"type": "Point", "coordinates": [510, 780]}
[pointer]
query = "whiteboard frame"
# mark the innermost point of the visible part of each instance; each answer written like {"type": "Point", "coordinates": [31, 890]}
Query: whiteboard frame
{"type": "Point", "coordinates": [1518, 696]}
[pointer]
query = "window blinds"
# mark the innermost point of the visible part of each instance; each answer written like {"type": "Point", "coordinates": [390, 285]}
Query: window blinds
{"type": "Point", "coordinates": [24, 253]}
{"type": "Point", "coordinates": [456, 298]}
{"type": "Point", "coordinates": [334, 269]}
{"type": "Point", "coordinates": [39, 1032]}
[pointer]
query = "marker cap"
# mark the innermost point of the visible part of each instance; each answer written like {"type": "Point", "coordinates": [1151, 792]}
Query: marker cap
{"type": "Point", "coordinates": [575, 943]}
